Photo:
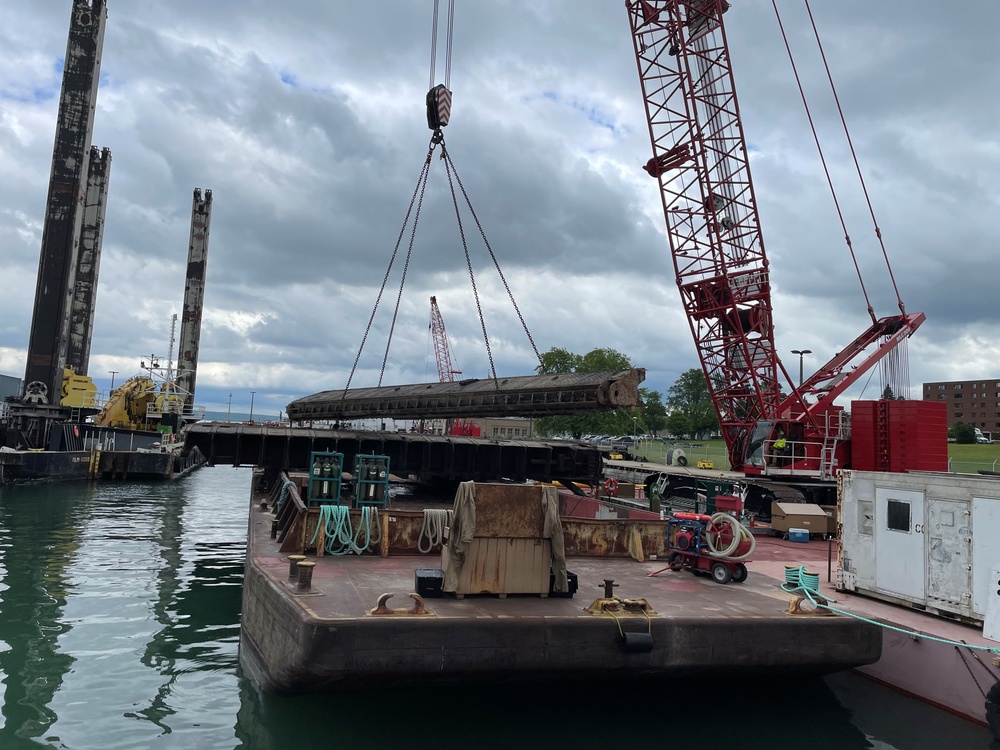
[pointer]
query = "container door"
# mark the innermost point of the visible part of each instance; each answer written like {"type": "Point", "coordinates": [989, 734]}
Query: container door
{"type": "Point", "coordinates": [985, 550]}
{"type": "Point", "coordinates": [899, 542]}
{"type": "Point", "coordinates": [949, 540]}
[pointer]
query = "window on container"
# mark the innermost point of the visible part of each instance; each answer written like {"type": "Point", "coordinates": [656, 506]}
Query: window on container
{"type": "Point", "coordinates": [898, 516]}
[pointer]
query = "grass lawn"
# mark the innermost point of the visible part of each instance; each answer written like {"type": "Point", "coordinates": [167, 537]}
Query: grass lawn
{"type": "Point", "coordinates": [966, 459]}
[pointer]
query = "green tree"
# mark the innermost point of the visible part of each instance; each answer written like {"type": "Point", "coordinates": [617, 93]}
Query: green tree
{"type": "Point", "coordinates": [690, 405]}
{"type": "Point", "coordinates": [963, 432]}
{"type": "Point", "coordinates": [613, 422]}
{"type": "Point", "coordinates": [653, 414]}
{"type": "Point", "coordinates": [558, 360]}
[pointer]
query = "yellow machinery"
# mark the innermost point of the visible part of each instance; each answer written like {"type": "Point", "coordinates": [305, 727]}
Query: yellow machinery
{"type": "Point", "coordinates": [78, 391]}
{"type": "Point", "coordinates": [138, 404]}
{"type": "Point", "coordinates": [128, 405]}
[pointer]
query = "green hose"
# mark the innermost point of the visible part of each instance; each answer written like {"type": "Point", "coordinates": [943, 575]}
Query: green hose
{"type": "Point", "coordinates": [799, 580]}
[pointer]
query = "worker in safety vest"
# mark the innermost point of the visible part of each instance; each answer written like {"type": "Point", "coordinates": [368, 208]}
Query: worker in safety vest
{"type": "Point", "coordinates": [779, 448]}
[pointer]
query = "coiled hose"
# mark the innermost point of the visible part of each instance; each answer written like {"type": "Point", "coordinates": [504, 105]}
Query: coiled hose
{"type": "Point", "coordinates": [740, 533]}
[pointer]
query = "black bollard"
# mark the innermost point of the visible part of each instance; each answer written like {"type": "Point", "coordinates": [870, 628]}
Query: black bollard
{"type": "Point", "coordinates": [305, 574]}
{"type": "Point", "coordinates": [293, 561]}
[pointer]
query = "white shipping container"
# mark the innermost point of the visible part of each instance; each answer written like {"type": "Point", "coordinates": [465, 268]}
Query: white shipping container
{"type": "Point", "coordinates": [924, 538]}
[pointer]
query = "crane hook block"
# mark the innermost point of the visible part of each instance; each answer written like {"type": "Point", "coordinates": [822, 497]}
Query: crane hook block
{"type": "Point", "coordinates": [438, 107]}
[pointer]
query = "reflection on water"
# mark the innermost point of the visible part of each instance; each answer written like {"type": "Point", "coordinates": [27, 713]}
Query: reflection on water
{"type": "Point", "coordinates": [119, 628]}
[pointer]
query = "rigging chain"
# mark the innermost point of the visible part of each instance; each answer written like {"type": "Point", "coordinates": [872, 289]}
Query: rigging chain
{"type": "Point", "coordinates": [418, 191]}
{"type": "Point", "coordinates": [417, 199]}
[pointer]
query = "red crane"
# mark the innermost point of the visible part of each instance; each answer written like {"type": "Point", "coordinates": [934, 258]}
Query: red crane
{"type": "Point", "coordinates": [700, 162]}
{"type": "Point", "coordinates": [446, 373]}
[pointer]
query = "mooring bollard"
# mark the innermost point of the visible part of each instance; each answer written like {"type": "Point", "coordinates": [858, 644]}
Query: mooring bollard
{"type": "Point", "coordinates": [305, 574]}
{"type": "Point", "coordinates": [293, 561]}
{"type": "Point", "coordinates": [274, 528]}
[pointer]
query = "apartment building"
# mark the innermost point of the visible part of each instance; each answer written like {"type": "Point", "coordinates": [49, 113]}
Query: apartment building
{"type": "Point", "coordinates": [974, 401]}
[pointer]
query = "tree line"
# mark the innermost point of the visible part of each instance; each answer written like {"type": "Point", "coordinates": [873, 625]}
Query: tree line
{"type": "Point", "coordinates": [687, 411]}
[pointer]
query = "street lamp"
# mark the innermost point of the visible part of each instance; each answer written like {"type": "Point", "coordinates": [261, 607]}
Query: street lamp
{"type": "Point", "coordinates": [113, 373]}
{"type": "Point", "coordinates": [801, 353]}
{"type": "Point", "coordinates": [229, 408]}
{"type": "Point", "coordinates": [251, 406]}
{"type": "Point", "coordinates": [634, 429]}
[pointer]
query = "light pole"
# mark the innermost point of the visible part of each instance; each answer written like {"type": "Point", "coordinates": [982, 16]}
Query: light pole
{"type": "Point", "coordinates": [634, 428]}
{"type": "Point", "coordinates": [229, 408]}
{"type": "Point", "coordinates": [113, 373]}
{"type": "Point", "coordinates": [801, 353]}
{"type": "Point", "coordinates": [251, 406]}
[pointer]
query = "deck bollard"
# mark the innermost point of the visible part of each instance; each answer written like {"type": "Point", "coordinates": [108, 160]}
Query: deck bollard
{"type": "Point", "coordinates": [293, 561]}
{"type": "Point", "coordinates": [274, 528]}
{"type": "Point", "coordinates": [305, 574]}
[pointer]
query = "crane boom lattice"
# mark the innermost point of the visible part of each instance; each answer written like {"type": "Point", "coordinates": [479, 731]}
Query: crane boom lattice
{"type": "Point", "coordinates": [700, 161]}
{"type": "Point", "coordinates": [446, 373]}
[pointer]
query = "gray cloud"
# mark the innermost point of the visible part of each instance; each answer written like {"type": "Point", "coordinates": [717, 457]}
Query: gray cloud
{"type": "Point", "coordinates": [307, 123]}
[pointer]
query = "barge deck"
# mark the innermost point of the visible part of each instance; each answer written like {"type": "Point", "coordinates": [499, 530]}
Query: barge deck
{"type": "Point", "coordinates": [327, 637]}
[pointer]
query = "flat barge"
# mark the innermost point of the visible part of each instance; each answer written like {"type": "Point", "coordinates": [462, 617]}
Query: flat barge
{"type": "Point", "coordinates": [332, 633]}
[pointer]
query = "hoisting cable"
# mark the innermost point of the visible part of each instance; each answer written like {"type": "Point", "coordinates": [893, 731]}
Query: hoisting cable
{"type": "Point", "coordinates": [438, 112]}
{"type": "Point", "coordinates": [857, 166]}
{"type": "Point", "coordinates": [829, 180]}
{"type": "Point", "coordinates": [447, 47]}
{"type": "Point", "coordinates": [434, 44]}
{"type": "Point", "coordinates": [447, 43]}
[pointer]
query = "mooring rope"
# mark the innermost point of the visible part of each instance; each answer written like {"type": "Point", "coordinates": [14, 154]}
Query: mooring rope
{"type": "Point", "coordinates": [284, 494]}
{"type": "Point", "coordinates": [435, 520]}
{"type": "Point", "coordinates": [369, 518]}
{"type": "Point", "coordinates": [800, 580]}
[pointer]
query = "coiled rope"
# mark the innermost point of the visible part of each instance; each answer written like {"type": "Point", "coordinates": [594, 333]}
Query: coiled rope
{"type": "Point", "coordinates": [284, 494]}
{"type": "Point", "coordinates": [339, 535]}
{"type": "Point", "coordinates": [435, 521]}
{"type": "Point", "coordinates": [798, 580]}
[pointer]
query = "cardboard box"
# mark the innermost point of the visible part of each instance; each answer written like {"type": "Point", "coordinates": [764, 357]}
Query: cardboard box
{"type": "Point", "coordinates": [834, 516]}
{"type": "Point", "coordinates": [808, 516]}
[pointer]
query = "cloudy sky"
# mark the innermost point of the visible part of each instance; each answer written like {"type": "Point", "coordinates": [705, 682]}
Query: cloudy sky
{"type": "Point", "coordinates": [306, 120]}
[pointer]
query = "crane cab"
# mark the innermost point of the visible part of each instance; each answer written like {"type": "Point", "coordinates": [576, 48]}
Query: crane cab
{"type": "Point", "coordinates": [783, 446]}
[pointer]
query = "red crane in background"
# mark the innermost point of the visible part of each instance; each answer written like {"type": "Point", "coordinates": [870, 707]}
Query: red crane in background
{"type": "Point", "coordinates": [446, 373]}
{"type": "Point", "coordinates": [700, 161]}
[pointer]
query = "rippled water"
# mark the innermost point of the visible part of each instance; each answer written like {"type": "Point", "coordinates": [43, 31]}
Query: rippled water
{"type": "Point", "coordinates": [119, 628]}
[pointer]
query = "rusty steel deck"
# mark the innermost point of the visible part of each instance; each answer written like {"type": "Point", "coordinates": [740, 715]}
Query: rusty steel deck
{"type": "Point", "coordinates": [522, 396]}
{"type": "Point", "coordinates": [332, 636]}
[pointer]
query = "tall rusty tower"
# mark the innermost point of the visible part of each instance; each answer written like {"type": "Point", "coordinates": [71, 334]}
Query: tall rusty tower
{"type": "Point", "coordinates": [48, 345]}
{"type": "Point", "coordinates": [88, 262]}
{"type": "Point", "coordinates": [194, 295]}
